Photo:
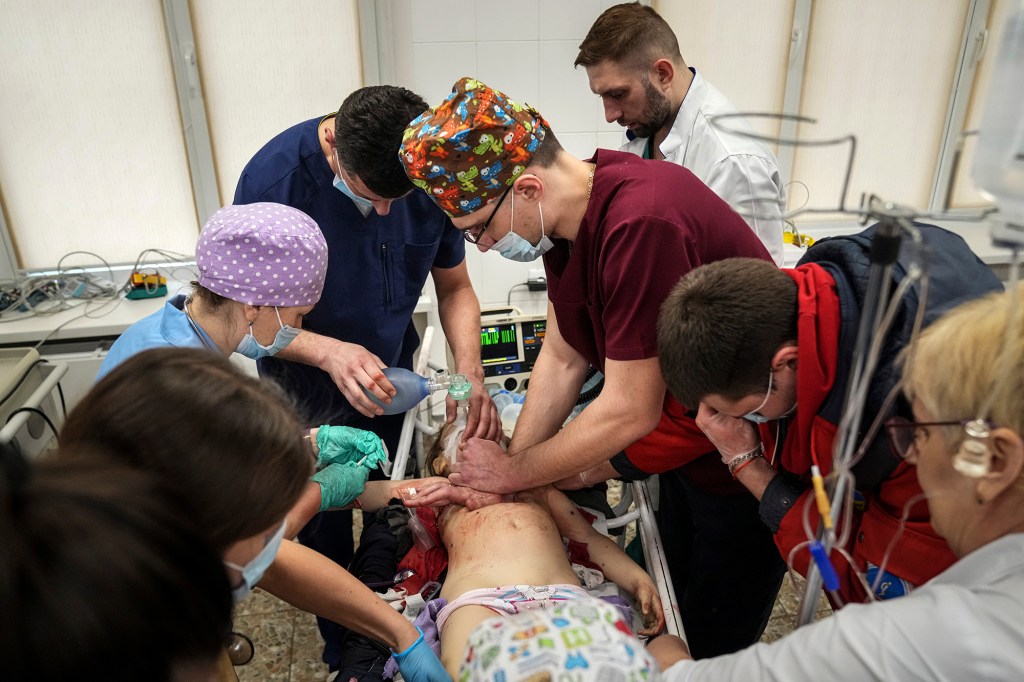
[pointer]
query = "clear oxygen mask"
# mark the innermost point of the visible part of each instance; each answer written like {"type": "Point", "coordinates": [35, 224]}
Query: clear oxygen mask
{"type": "Point", "coordinates": [460, 390]}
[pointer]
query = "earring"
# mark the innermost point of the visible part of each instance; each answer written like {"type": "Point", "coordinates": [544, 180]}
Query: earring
{"type": "Point", "coordinates": [979, 499]}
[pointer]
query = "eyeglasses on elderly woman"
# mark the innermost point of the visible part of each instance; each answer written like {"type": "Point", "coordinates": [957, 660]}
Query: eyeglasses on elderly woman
{"type": "Point", "coordinates": [902, 432]}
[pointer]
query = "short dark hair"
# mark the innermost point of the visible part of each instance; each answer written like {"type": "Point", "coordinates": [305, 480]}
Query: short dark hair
{"type": "Point", "coordinates": [720, 327]}
{"type": "Point", "coordinates": [226, 442]}
{"type": "Point", "coordinates": [211, 300]}
{"type": "Point", "coordinates": [547, 150]}
{"type": "Point", "coordinates": [630, 34]}
{"type": "Point", "coordinates": [102, 577]}
{"type": "Point", "coordinates": [368, 131]}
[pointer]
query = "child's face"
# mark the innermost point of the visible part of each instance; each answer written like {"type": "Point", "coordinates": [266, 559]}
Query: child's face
{"type": "Point", "coordinates": [448, 439]}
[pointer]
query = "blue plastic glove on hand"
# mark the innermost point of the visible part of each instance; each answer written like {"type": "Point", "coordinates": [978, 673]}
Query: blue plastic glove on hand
{"type": "Point", "coordinates": [419, 663]}
{"type": "Point", "coordinates": [340, 484]}
{"type": "Point", "coordinates": [339, 444]}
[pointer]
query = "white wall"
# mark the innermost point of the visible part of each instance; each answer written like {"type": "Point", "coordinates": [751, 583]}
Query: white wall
{"type": "Point", "coordinates": [753, 77]}
{"type": "Point", "coordinates": [886, 79]}
{"type": "Point", "coordinates": [878, 69]}
{"type": "Point", "coordinates": [284, 62]}
{"type": "Point", "coordinates": [882, 70]}
{"type": "Point", "coordinates": [92, 149]}
{"type": "Point", "coordinates": [528, 54]}
{"type": "Point", "coordinates": [92, 153]}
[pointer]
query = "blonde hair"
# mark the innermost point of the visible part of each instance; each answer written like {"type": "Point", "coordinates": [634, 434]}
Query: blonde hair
{"type": "Point", "coordinates": [961, 364]}
{"type": "Point", "coordinates": [438, 461]}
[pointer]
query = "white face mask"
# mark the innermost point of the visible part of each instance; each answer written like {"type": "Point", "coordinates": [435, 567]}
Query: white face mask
{"type": "Point", "coordinates": [515, 247]}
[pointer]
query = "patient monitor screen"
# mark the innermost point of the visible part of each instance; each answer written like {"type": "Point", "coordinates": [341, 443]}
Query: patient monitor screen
{"type": "Point", "coordinates": [509, 347]}
{"type": "Point", "coordinates": [498, 343]}
{"type": "Point", "coordinates": [533, 337]}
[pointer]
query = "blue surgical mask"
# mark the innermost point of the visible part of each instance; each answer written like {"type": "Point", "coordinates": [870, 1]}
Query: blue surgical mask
{"type": "Point", "coordinates": [253, 349]}
{"type": "Point", "coordinates": [258, 565]}
{"type": "Point", "coordinates": [754, 415]}
{"type": "Point", "coordinates": [362, 203]}
{"type": "Point", "coordinates": [757, 418]}
{"type": "Point", "coordinates": [515, 247]}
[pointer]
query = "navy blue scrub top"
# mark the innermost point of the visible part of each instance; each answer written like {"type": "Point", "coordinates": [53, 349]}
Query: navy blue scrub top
{"type": "Point", "coordinates": [377, 265]}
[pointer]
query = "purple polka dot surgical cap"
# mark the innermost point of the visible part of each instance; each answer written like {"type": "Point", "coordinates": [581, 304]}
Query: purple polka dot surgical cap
{"type": "Point", "coordinates": [263, 254]}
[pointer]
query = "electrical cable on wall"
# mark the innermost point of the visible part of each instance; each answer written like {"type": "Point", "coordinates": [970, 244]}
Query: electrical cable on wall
{"type": "Point", "coordinates": [508, 300]}
{"type": "Point", "coordinates": [67, 288]}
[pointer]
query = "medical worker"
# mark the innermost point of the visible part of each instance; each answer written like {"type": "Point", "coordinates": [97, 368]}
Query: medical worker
{"type": "Point", "coordinates": [99, 565]}
{"type": "Point", "coordinates": [633, 63]}
{"type": "Point", "coordinates": [966, 623]}
{"type": "Point", "coordinates": [384, 242]}
{"type": "Point", "coordinates": [261, 269]}
{"type": "Point", "coordinates": [768, 356]}
{"type": "Point", "coordinates": [616, 233]}
{"type": "Point", "coordinates": [233, 452]}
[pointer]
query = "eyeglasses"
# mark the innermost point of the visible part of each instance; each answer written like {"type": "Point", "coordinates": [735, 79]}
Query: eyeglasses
{"type": "Point", "coordinates": [901, 433]}
{"type": "Point", "coordinates": [473, 234]}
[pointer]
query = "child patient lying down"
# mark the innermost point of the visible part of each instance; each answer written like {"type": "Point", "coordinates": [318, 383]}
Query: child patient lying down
{"type": "Point", "coordinates": [507, 556]}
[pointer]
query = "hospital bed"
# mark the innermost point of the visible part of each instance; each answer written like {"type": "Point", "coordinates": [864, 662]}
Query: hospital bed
{"type": "Point", "coordinates": [519, 339]}
{"type": "Point", "coordinates": [640, 497]}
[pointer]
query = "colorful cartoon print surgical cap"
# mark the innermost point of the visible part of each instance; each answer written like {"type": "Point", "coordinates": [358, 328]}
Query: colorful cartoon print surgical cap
{"type": "Point", "coordinates": [470, 148]}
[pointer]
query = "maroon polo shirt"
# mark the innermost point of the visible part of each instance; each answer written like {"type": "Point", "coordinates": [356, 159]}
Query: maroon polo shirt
{"type": "Point", "coordinates": [648, 223]}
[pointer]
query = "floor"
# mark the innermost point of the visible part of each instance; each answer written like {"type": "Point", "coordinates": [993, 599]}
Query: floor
{"type": "Point", "coordinates": [288, 645]}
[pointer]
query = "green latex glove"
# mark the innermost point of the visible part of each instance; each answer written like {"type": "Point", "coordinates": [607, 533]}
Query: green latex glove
{"type": "Point", "coordinates": [340, 484]}
{"type": "Point", "coordinates": [338, 444]}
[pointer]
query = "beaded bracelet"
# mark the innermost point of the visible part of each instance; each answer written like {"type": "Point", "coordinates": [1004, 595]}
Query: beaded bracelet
{"type": "Point", "coordinates": [736, 473]}
{"type": "Point", "coordinates": [738, 463]}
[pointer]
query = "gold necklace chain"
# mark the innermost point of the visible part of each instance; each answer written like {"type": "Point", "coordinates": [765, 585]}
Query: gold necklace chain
{"type": "Point", "coordinates": [590, 183]}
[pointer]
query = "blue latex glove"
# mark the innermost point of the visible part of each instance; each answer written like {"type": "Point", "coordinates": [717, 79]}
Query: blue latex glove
{"type": "Point", "coordinates": [339, 444]}
{"type": "Point", "coordinates": [340, 484]}
{"type": "Point", "coordinates": [419, 663]}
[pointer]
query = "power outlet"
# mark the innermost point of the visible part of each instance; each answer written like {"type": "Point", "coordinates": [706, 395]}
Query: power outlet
{"type": "Point", "coordinates": [536, 280]}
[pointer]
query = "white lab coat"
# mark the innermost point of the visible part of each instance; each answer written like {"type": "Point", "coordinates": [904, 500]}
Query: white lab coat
{"type": "Point", "coordinates": [739, 169]}
{"type": "Point", "coordinates": [967, 623]}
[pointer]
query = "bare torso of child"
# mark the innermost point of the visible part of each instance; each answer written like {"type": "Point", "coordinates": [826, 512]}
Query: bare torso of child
{"type": "Point", "coordinates": [513, 543]}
